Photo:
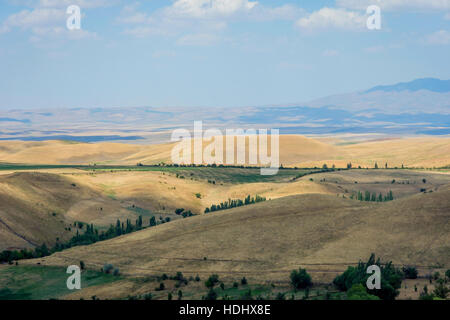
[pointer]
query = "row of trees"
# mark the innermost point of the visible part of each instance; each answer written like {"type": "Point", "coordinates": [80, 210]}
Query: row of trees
{"type": "Point", "coordinates": [367, 196]}
{"type": "Point", "coordinates": [352, 282]}
{"type": "Point", "coordinates": [235, 203]}
{"type": "Point", "coordinates": [90, 235]}
{"type": "Point", "coordinates": [355, 277]}
{"type": "Point", "coordinates": [317, 170]}
{"type": "Point", "coordinates": [183, 213]}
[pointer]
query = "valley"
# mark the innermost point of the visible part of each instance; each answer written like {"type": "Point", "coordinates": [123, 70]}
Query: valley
{"type": "Point", "coordinates": [312, 218]}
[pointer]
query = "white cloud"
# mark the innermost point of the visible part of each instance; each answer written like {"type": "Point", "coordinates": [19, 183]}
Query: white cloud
{"type": "Point", "coordinates": [394, 5]}
{"type": "Point", "coordinates": [134, 18]}
{"type": "Point", "coordinates": [83, 4]}
{"type": "Point", "coordinates": [48, 19]}
{"type": "Point", "coordinates": [441, 37]}
{"type": "Point", "coordinates": [164, 54]}
{"type": "Point", "coordinates": [330, 53]}
{"type": "Point", "coordinates": [209, 8]}
{"type": "Point", "coordinates": [144, 31]}
{"type": "Point", "coordinates": [183, 10]}
{"type": "Point", "coordinates": [40, 34]}
{"type": "Point", "coordinates": [201, 39]}
{"type": "Point", "coordinates": [130, 15]}
{"type": "Point", "coordinates": [283, 12]}
{"type": "Point", "coordinates": [327, 18]}
{"type": "Point", "coordinates": [34, 18]}
{"type": "Point", "coordinates": [196, 16]}
{"type": "Point", "coordinates": [287, 65]}
{"type": "Point", "coordinates": [374, 49]}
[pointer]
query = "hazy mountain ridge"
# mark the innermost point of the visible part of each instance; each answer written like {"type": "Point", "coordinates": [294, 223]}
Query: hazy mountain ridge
{"type": "Point", "coordinates": [418, 107]}
{"type": "Point", "coordinates": [427, 95]}
{"type": "Point", "coordinates": [430, 84]}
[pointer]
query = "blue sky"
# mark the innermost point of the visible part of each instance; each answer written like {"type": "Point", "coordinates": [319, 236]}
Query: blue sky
{"type": "Point", "coordinates": [213, 52]}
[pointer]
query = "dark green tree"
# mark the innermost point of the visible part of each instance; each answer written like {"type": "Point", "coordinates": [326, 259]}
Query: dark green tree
{"type": "Point", "coordinates": [391, 278]}
{"type": "Point", "coordinates": [300, 279]}
{"type": "Point", "coordinates": [212, 281]}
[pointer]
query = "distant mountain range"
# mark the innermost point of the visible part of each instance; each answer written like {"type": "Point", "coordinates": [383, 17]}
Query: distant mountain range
{"type": "Point", "coordinates": [418, 107]}
{"type": "Point", "coordinates": [426, 95]}
{"type": "Point", "coordinates": [429, 84]}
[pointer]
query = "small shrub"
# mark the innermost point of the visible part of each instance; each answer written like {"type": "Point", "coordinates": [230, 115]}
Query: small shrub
{"type": "Point", "coordinates": [247, 295]}
{"type": "Point", "coordinates": [358, 292]}
{"type": "Point", "coordinates": [441, 291]}
{"type": "Point", "coordinates": [179, 210]}
{"type": "Point", "coordinates": [300, 279]}
{"type": "Point", "coordinates": [179, 276]}
{"type": "Point", "coordinates": [212, 281]}
{"type": "Point", "coordinates": [244, 281]}
{"type": "Point", "coordinates": [410, 272]}
{"type": "Point", "coordinates": [211, 295]}
{"type": "Point", "coordinates": [148, 296]}
{"type": "Point", "coordinates": [161, 287]}
{"type": "Point", "coordinates": [108, 267]}
{"type": "Point", "coordinates": [280, 296]}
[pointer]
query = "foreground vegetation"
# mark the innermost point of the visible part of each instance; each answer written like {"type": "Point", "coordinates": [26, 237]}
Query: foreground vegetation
{"type": "Point", "coordinates": [89, 236]}
{"type": "Point", "coordinates": [46, 282]}
{"type": "Point", "coordinates": [25, 282]}
{"type": "Point", "coordinates": [233, 203]}
{"type": "Point", "coordinates": [211, 173]}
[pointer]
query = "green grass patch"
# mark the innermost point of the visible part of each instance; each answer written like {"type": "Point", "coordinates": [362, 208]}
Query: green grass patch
{"type": "Point", "coordinates": [19, 167]}
{"type": "Point", "coordinates": [141, 211]}
{"type": "Point", "coordinates": [213, 174]}
{"type": "Point", "coordinates": [44, 282]}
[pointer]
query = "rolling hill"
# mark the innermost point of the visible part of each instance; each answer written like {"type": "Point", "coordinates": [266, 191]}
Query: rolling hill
{"type": "Point", "coordinates": [294, 151]}
{"type": "Point", "coordinates": [266, 240]}
{"type": "Point", "coordinates": [39, 207]}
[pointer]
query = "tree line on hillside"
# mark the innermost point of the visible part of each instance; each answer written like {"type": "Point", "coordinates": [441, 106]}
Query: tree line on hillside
{"type": "Point", "coordinates": [317, 170]}
{"type": "Point", "coordinates": [184, 213]}
{"type": "Point", "coordinates": [352, 284]}
{"type": "Point", "coordinates": [90, 235]}
{"type": "Point", "coordinates": [235, 203]}
{"type": "Point", "coordinates": [356, 277]}
{"type": "Point", "coordinates": [367, 196]}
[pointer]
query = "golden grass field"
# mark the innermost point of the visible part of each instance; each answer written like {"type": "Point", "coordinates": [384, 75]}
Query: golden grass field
{"type": "Point", "coordinates": [265, 241]}
{"type": "Point", "coordinates": [37, 206]}
{"type": "Point", "coordinates": [295, 150]}
{"type": "Point", "coordinates": [309, 222]}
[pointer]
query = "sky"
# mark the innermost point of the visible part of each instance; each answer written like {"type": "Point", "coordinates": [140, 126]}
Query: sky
{"type": "Point", "coordinates": [195, 53]}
